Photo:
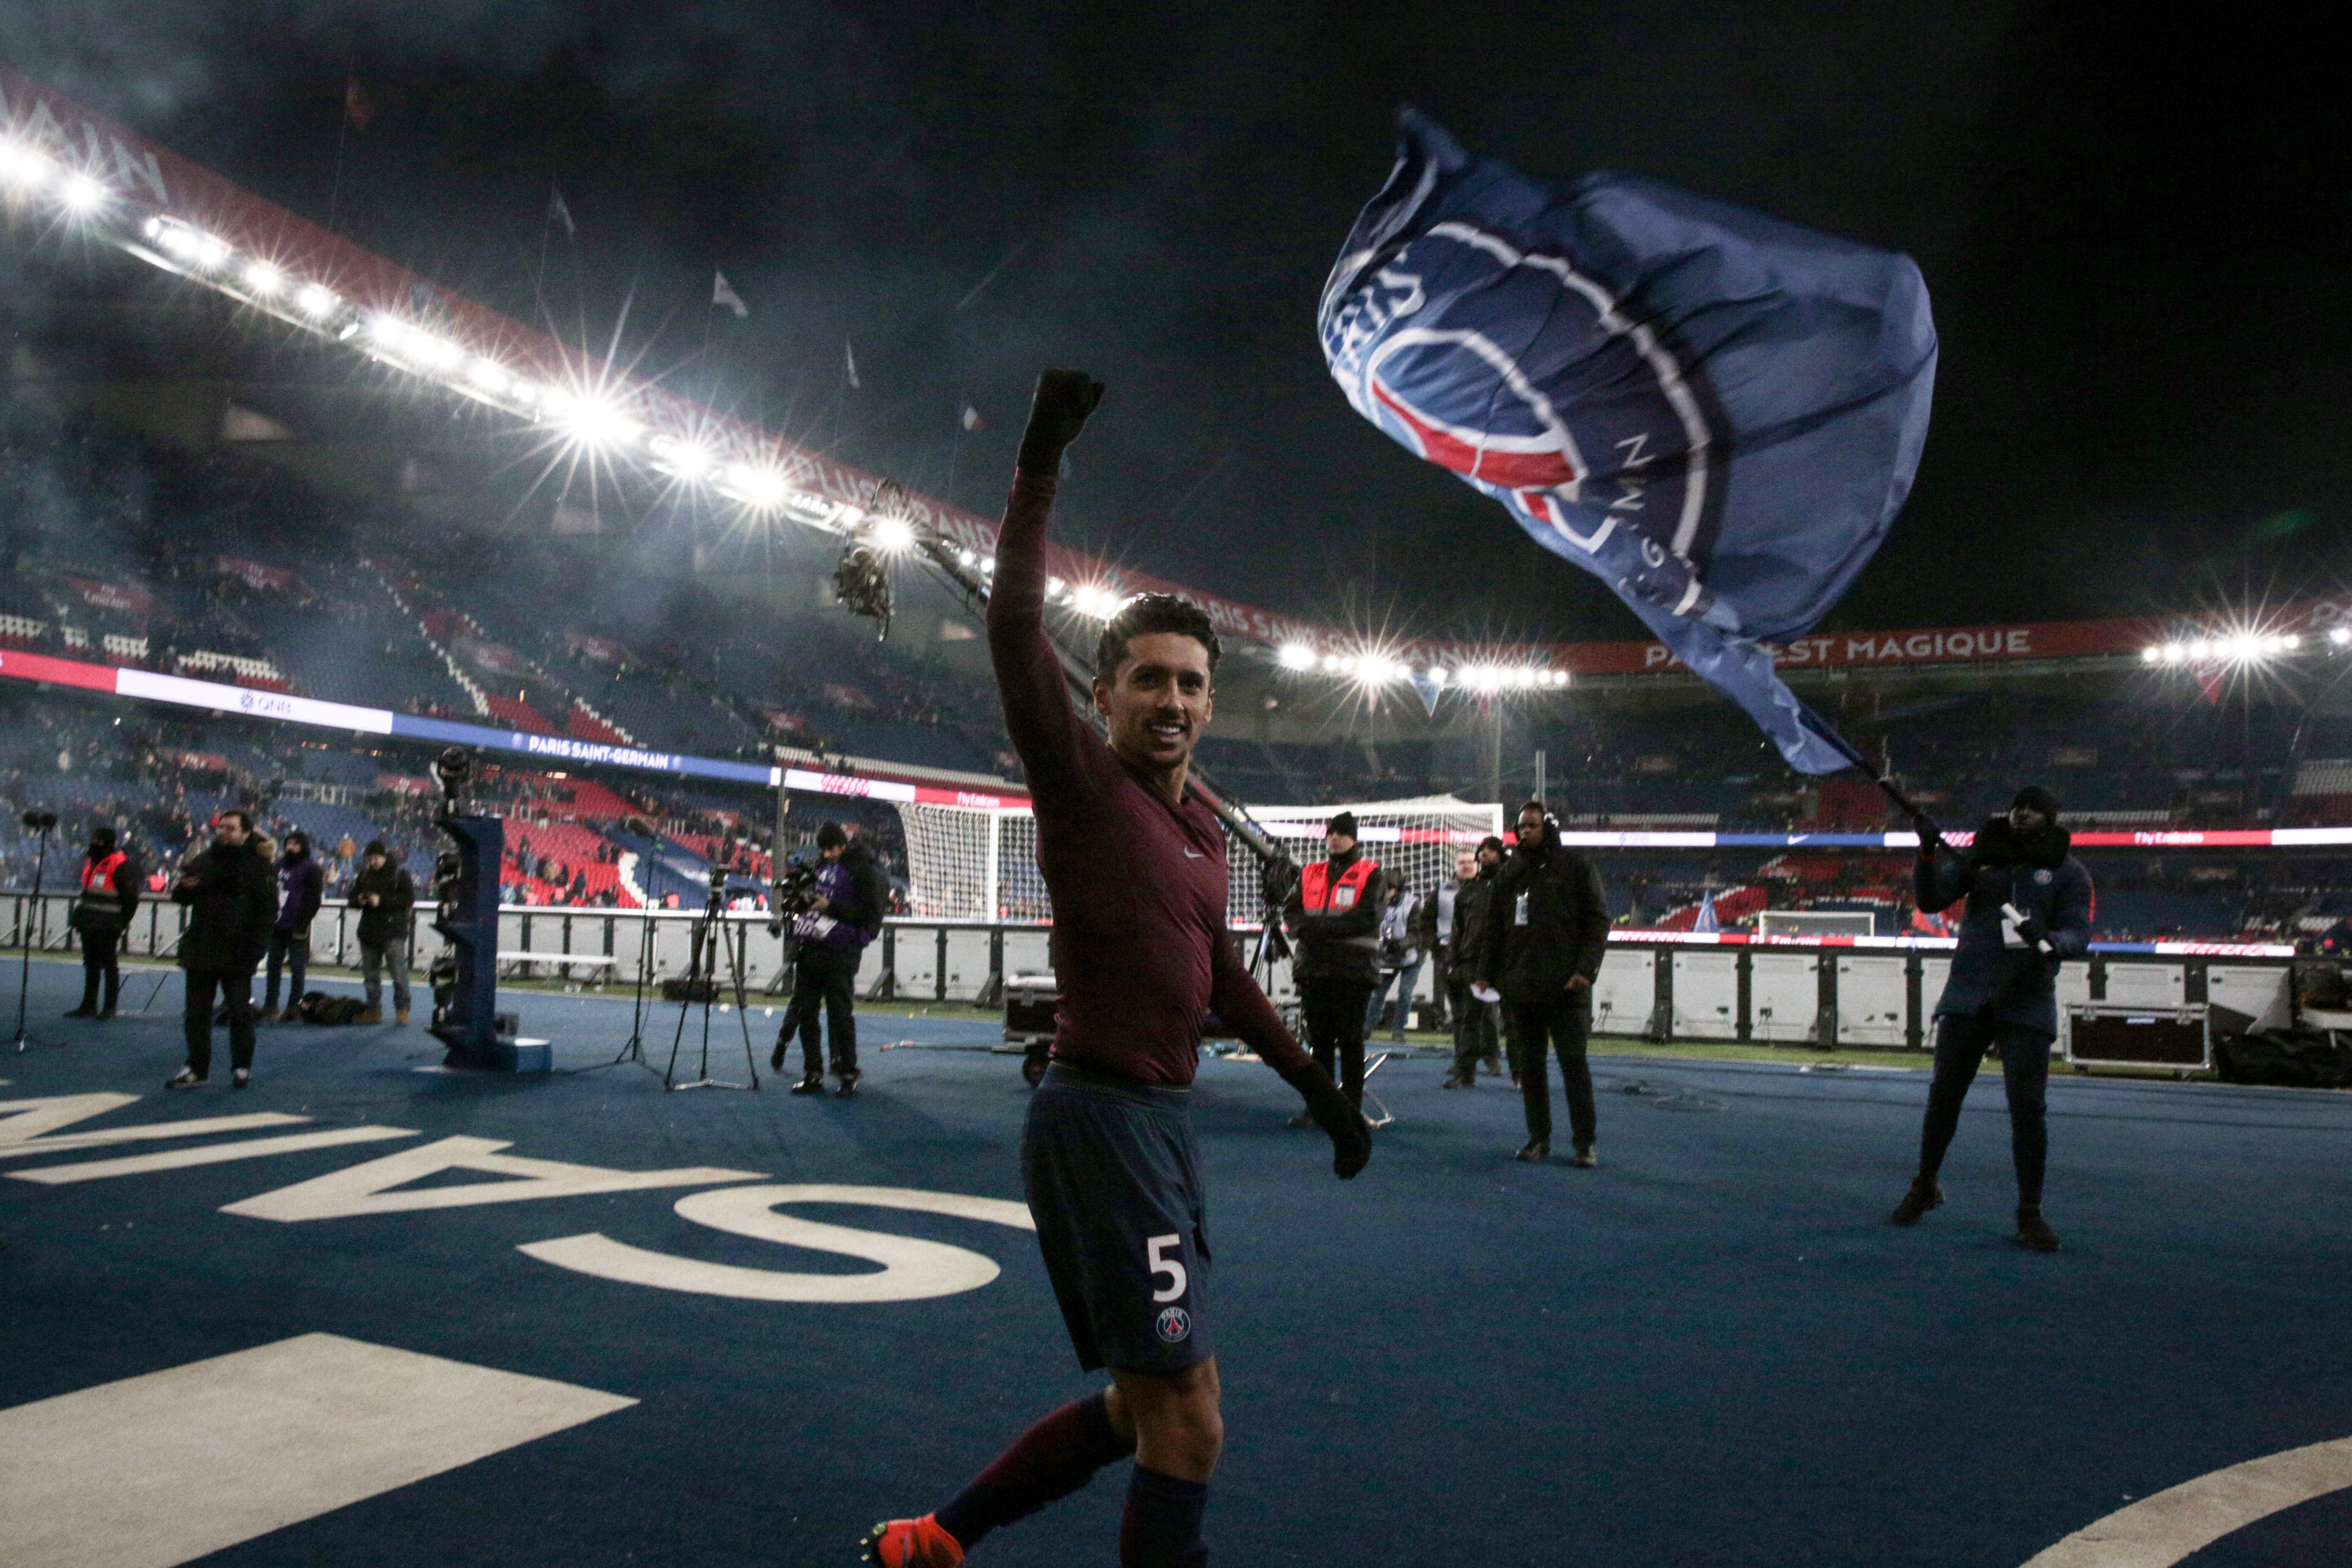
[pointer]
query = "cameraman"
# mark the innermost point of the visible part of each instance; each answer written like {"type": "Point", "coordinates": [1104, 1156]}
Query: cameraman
{"type": "Point", "coordinates": [384, 893]}
{"type": "Point", "coordinates": [110, 892]}
{"type": "Point", "coordinates": [842, 916]}
{"type": "Point", "coordinates": [1550, 935]}
{"type": "Point", "coordinates": [231, 897]}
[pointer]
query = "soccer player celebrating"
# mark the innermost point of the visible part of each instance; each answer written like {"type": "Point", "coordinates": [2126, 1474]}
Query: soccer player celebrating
{"type": "Point", "coordinates": [1135, 862]}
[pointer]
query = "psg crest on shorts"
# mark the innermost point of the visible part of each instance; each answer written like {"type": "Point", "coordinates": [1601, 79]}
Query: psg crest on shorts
{"type": "Point", "coordinates": [1174, 1325]}
{"type": "Point", "coordinates": [1715, 413]}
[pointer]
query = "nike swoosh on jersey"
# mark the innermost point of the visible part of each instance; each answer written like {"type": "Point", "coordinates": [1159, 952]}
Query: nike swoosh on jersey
{"type": "Point", "coordinates": [1194, 855]}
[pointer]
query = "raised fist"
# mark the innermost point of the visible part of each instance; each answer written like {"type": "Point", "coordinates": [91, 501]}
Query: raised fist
{"type": "Point", "coordinates": [1056, 414]}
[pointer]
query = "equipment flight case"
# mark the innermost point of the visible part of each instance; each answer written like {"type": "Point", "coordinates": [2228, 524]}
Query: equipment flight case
{"type": "Point", "coordinates": [2114, 1034]}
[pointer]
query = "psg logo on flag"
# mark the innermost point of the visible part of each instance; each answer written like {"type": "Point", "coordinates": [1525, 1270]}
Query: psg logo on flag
{"type": "Point", "coordinates": [1174, 1325]}
{"type": "Point", "coordinates": [1715, 413]}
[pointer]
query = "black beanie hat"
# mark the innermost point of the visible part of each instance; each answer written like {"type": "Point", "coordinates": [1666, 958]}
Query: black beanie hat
{"type": "Point", "coordinates": [375, 847]}
{"type": "Point", "coordinates": [2033, 796]}
{"type": "Point", "coordinates": [830, 834]}
{"type": "Point", "coordinates": [102, 838]}
{"type": "Point", "coordinates": [1345, 822]}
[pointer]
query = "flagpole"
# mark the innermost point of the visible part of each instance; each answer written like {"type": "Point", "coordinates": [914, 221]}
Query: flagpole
{"type": "Point", "coordinates": [342, 135]}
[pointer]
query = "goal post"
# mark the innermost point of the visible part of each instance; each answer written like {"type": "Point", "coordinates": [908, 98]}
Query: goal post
{"type": "Point", "coordinates": [971, 863]}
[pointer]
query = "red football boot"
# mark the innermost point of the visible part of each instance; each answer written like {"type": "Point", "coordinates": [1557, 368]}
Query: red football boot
{"type": "Point", "coordinates": [912, 1543]}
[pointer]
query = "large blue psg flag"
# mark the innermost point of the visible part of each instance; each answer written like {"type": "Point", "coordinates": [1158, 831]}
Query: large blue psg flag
{"type": "Point", "coordinates": [1715, 413]}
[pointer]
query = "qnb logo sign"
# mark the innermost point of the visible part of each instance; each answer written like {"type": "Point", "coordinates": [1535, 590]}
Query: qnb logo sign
{"type": "Point", "coordinates": [1429, 348]}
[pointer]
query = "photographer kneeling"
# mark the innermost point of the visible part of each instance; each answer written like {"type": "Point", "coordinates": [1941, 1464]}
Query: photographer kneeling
{"type": "Point", "coordinates": [843, 915]}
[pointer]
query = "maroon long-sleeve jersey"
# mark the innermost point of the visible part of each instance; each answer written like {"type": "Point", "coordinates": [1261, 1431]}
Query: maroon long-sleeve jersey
{"type": "Point", "coordinates": [1143, 953]}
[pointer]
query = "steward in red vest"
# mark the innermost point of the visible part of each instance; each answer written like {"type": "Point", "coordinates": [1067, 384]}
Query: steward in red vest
{"type": "Point", "coordinates": [1333, 915]}
{"type": "Point", "coordinates": [110, 892]}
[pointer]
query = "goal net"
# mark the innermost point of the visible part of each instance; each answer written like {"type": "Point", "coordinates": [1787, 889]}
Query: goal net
{"type": "Point", "coordinates": [974, 863]}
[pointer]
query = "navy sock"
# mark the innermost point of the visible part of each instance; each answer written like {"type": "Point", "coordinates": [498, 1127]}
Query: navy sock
{"type": "Point", "coordinates": [1049, 1461]}
{"type": "Point", "coordinates": [1162, 1528]}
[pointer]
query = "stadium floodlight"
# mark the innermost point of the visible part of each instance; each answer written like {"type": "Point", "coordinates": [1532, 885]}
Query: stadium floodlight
{"type": "Point", "coordinates": [2199, 648]}
{"type": "Point", "coordinates": [1297, 656]}
{"type": "Point", "coordinates": [2150, 654]}
{"type": "Point", "coordinates": [523, 392]}
{"type": "Point", "coordinates": [894, 535]}
{"type": "Point", "coordinates": [436, 352]}
{"type": "Point", "coordinates": [264, 279]}
{"type": "Point", "coordinates": [22, 166]}
{"type": "Point", "coordinates": [592, 421]}
{"type": "Point", "coordinates": [2174, 652]}
{"type": "Point", "coordinates": [760, 487]}
{"type": "Point", "coordinates": [313, 300]}
{"type": "Point", "coordinates": [688, 460]}
{"type": "Point", "coordinates": [966, 558]}
{"type": "Point", "coordinates": [2290, 642]}
{"type": "Point", "coordinates": [488, 376]}
{"type": "Point", "coordinates": [2339, 635]}
{"type": "Point", "coordinates": [80, 193]}
{"type": "Point", "coordinates": [988, 565]}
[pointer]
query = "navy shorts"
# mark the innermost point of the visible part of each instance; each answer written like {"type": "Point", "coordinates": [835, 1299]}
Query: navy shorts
{"type": "Point", "coordinates": [1114, 1182]}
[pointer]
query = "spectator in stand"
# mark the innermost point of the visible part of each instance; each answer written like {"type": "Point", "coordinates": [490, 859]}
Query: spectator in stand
{"type": "Point", "coordinates": [110, 893]}
{"type": "Point", "coordinates": [301, 888]}
{"type": "Point", "coordinates": [384, 893]}
{"type": "Point", "coordinates": [232, 897]}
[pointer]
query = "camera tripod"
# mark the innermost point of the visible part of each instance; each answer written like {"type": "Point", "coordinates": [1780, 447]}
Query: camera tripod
{"type": "Point", "coordinates": [719, 944]}
{"type": "Point", "coordinates": [635, 1048]}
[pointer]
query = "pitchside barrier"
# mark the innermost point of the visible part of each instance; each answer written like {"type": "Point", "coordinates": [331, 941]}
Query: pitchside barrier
{"type": "Point", "coordinates": [1826, 992]}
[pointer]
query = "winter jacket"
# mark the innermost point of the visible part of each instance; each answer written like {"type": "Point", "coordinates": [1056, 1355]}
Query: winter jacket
{"type": "Point", "coordinates": [232, 900]}
{"type": "Point", "coordinates": [1474, 924]}
{"type": "Point", "coordinates": [395, 892]}
{"type": "Point", "coordinates": [1996, 974]}
{"type": "Point", "coordinates": [857, 896]}
{"type": "Point", "coordinates": [1401, 925]}
{"type": "Point", "coordinates": [301, 887]}
{"type": "Point", "coordinates": [1551, 924]}
{"type": "Point", "coordinates": [104, 909]}
{"type": "Point", "coordinates": [1338, 945]}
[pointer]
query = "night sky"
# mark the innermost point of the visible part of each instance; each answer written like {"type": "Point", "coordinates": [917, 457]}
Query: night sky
{"type": "Point", "coordinates": [2129, 227]}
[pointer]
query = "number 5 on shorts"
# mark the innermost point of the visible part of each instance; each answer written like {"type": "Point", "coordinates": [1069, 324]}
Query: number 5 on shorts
{"type": "Point", "coordinates": [1158, 1250]}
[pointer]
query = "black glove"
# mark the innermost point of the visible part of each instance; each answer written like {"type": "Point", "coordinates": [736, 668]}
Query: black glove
{"type": "Point", "coordinates": [1930, 840]}
{"type": "Point", "coordinates": [2034, 931]}
{"type": "Point", "coordinates": [1056, 414]}
{"type": "Point", "coordinates": [1351, 1139]}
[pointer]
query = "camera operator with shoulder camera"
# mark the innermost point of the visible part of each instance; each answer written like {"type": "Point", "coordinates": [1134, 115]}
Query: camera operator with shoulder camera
{"type": "Point", "coordinates": [384, 893]}
{"type": "Point", "coordinates": [842, 913]}
{"type": "Point", "coordinates": [110, 893]}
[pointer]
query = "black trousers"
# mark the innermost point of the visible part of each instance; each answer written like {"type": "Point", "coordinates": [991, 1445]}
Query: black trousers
{"type": "Point", "coordinates": [1333, 1011]}
{"type": "Point", "coordinates": [1474, 1028]}
{"type": "Point", "coordinates": [236, 993]}
{"type": "Point", "coordinates": [1565, 1020]}
{"type": "Point", "coordinates": [102, 948]}
{"type": "Point", "coordinates": [1960, 1045]}
{"type": "Point", "coordinates": [824, 992]}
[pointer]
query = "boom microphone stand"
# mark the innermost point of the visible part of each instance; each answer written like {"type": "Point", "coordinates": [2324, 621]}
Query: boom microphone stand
{"type": "Point", "coordinates": [43, 824]}
{"type": "Point", "coordinates": [634, 1051]}
{"type": "Point", "coordinates": [721, 942]}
